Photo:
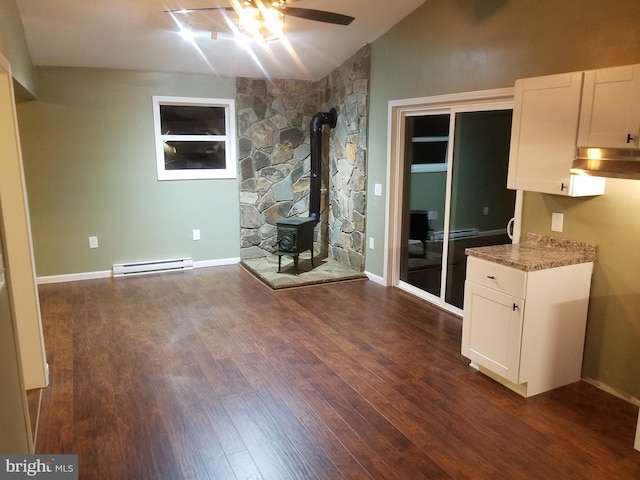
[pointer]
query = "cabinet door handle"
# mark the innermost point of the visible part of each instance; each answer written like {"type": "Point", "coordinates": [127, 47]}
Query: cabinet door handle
{"type": "Point", "coordinates": [491, 277]}
{"type": "Point", "coordinates": [562, 187]}
{"type": "Point", "coordinates": [629, 138]}
{"type": "Point", "coordinates": [515, 307]}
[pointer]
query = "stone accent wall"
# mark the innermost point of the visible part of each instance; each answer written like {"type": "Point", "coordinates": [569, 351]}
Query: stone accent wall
{"type": "Point", "coordinates": [348, 88]}
{"type": "Point", "coordinates": [274, 161]}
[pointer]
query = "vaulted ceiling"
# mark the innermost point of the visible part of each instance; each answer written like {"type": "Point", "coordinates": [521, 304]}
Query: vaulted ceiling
{"type": "Point", "coordinates": [140, 35]}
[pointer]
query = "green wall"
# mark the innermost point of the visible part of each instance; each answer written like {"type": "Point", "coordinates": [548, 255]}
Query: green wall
{"type": "Point", "coordinates": [466, 45]}
{"type": "Point", "coordinates": [90, 167]}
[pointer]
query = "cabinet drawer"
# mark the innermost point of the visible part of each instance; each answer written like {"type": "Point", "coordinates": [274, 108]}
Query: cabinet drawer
{"type": "Point", "coordinates": [498, 277]}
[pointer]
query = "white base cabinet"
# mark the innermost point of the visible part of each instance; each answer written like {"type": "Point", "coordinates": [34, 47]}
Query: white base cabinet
{"type": "Point", "coordinates": [526, 329]}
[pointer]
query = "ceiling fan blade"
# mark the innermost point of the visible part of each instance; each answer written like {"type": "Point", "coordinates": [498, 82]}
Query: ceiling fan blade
{"type": "Point", "coordinates": [317, 15]}
{"type": "Point", "coordinates": [305, 13]}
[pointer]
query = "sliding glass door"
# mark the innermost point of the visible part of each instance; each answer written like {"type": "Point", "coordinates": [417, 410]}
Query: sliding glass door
{"type": "Point", "coordinates": [454, 195]}
{"type": "Point", "coordinates": [424, 201]}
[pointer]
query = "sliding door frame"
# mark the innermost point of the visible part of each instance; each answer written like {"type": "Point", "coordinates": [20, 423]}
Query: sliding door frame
{"type": "Point", "coordinates": [398, 111]}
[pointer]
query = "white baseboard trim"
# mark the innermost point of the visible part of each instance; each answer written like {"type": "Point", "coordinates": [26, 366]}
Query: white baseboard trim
{"type": "Point", "coordinates": [74, 277]}
{"type": "Point", "coordinates": [216, 263]}
{"type": "Point", "coordinates": [628, 398]}
{"type": "Point", "coordinates": [375, 278]}
{"type": "Point", "coordinates": [608, 389]}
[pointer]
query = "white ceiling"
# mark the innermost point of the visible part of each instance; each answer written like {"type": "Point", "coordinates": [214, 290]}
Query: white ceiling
{"type": "Point", "coordinates": [139, 35]}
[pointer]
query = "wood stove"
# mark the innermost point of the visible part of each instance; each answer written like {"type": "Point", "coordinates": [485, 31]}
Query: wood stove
{"type": "Point", "coordinates": [295, 235]}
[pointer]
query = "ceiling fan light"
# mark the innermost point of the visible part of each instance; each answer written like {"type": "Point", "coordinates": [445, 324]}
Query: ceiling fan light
{"type": "Point", "coordinates": [273, 20]}
{"type": "Point", "coordinates": [271, 37]}
{"type": "Point", "coordinates": [249, 19]}
{"type": "Point", "coordinates": [186, 33]}
{"type": "Point", "coordinates": [261, 22]}
{"type": "Point", "coordinates": [272, 30]}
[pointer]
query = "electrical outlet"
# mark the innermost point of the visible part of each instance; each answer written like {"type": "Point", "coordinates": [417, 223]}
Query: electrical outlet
{"type": "Point", "coordinates": [196, 234]}
{"type": "Point", "coordinates": [557, 222]}
{"type": "Point", "coordinates": [93, 242]}
{"type": "Point", "coordinates": [485, 211]}
{"type": "Point", "coordinates": [371, 243]}
{"type": "Point", "coordinates": [432, 214]}
{"type": "Point", "coordinates": [377, 189]}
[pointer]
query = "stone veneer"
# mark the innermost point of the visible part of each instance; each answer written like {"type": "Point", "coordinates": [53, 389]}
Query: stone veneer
{"type": "Point", "coordinates": [274, 161]}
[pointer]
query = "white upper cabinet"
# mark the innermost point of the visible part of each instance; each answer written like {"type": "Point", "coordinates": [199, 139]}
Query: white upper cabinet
{"type": "Point", "coordinates": [610, 114]}
{"type": "Point", "coordinates": [544, 137]}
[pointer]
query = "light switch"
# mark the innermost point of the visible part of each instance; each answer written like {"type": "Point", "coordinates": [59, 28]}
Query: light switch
{"type": "Point", "coordinates": [93, 242]}
{"type": "Point", "coordinates": [196, 234]}
{"type": "Point", "coordinates": [377, 189]}
{"type": "Point", "coordinates": [557, 222]}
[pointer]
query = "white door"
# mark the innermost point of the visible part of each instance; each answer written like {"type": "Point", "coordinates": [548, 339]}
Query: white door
{"type": "Point", "coordinates": [16, 227]}
{"type": "Point", "coordinates": [492, 330]}
{"type": "Point", "coordinates": [545, 108]}
{"type": "Point", "coordinates": [610, 114]}
{"type": "Point", "coordinates": [15, 430]}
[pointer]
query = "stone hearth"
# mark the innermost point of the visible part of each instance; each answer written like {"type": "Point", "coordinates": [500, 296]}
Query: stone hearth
{"type": "Point", "coordinates": [325, 271]}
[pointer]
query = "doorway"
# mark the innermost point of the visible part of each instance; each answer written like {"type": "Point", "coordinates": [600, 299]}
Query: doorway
{"type": "Point", "coordinates": [16, 435]}
{"type": "Point", "coordinates": [450, 162]}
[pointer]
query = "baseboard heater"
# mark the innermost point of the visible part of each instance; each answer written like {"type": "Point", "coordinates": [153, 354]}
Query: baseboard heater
{"type": "Point", "coordinates": [139, 268]}
{"type": "Point", "coordinates": [456, 234]}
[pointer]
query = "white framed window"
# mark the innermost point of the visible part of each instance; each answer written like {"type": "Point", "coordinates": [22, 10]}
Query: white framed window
{"type": "Point", "coordinates": [195, 138]}
{"type": "Point", "coordinates": [429, 154]}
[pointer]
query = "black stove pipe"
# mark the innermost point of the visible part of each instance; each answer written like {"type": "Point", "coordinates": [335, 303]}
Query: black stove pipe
{"type": "Point", "coordinates": [317, 122]}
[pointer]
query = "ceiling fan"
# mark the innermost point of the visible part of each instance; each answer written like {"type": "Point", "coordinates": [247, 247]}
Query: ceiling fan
{"type": "Point", "coordinates": [267, 13]}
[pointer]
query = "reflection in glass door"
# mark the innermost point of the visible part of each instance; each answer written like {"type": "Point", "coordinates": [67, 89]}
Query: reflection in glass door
{"type": "Point", "coordinates": [425, 181]}
{"type": "Point", "coordinates": [454, 196]}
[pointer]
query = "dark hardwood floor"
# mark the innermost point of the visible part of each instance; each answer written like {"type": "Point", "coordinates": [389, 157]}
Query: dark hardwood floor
{"type": "Point", "coordinates": [210, 375]}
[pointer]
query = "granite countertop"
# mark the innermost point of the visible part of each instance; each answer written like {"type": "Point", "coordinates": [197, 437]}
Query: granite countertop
{"type": "Point", "coordinates": [537, 253]}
